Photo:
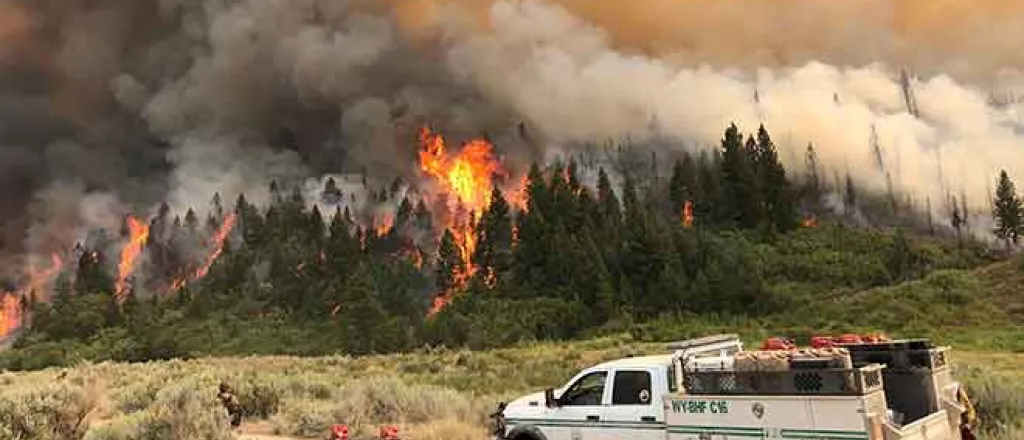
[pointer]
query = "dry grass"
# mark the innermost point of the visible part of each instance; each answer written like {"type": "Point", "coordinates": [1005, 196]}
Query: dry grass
{"type": "Point", "coordinates": [433, 394]}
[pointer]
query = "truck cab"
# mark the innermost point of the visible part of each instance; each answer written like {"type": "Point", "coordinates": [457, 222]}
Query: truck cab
{"type": "Point", "coordinates": [617, 399]}
{"type": "Point", "coordinates": [710, 389]}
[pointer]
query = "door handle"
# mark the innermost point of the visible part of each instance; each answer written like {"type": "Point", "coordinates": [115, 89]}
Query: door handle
{"type": "Point", "coordinates": [593, 418]}
{"type": "Point", "coordinates": [647, 419]}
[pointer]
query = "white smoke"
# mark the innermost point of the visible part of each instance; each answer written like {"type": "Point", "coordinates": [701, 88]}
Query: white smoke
{"type": "Point", "coordinates": [565, 76]}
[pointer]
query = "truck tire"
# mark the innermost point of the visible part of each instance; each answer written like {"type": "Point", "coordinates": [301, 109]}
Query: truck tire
{"type": "Point", "coordinates": [526, 433]}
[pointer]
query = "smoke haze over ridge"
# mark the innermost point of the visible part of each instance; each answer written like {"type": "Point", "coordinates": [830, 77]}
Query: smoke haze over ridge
{"type": "Point", "coordinates": [133, 102]}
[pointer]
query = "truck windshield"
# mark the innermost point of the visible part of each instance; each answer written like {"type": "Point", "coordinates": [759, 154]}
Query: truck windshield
{"type": "Point", "coordinates": [588, 390]}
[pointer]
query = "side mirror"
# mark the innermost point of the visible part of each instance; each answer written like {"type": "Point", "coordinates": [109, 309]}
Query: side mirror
{"type": "Point", "coordinates": [549, 398]}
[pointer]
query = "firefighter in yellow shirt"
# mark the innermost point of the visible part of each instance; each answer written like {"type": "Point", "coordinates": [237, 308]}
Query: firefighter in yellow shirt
{"type": "Point", "coordinates": [969, 418]}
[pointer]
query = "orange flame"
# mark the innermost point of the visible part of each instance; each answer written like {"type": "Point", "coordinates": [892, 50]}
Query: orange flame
{"type": "Point", "coordinates": [10, 314]}
{"type": "Point", "coordinates": [688, 214]}
{"type": "Point", "coordinates": [38, 279]}
{"type": "Point", "coordinates": [468, 177]}
{"type": "Point", "coordinates": [139, 233]}
{"type": "Point", "coordinates": [517, 198]}
{"type": "Point", "coordinates": [386, 224]}
{"type": "Point", "coordinates": [218, 243]}
{"type": "Point", "coordinates": [809, 221]}
{"type": "Point", "coordinates": [440, 302]}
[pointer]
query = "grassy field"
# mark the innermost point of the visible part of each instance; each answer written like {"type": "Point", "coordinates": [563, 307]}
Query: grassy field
{"type": "Point", "coordinates": [446, 394]}
{"type": "Point", "coordinates": [439, 394]}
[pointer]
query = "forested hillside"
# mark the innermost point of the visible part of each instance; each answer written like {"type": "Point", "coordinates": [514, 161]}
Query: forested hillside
{"type": "Point", "coordinates": [727, 235]}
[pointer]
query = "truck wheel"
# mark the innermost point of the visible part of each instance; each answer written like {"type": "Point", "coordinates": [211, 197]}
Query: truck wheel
{"type": "Point", "coordinates": [527, 433]}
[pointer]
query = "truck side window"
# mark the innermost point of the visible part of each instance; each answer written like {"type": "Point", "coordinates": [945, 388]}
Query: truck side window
{"type": "Point", "coordinates": [631, 388]}
{"type": "Point", "coordinates": [587, 391]}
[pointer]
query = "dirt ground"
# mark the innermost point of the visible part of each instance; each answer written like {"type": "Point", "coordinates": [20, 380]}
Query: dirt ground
{"type": "Point", "coordinates": [260, 431]}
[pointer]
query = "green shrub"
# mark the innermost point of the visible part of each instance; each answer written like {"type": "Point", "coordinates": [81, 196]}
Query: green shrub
{"type": "Point", "coordinates": [260, 397]}
{"type": "Point", "coordinates": [183, 411]}
{"type": "Point", "coordinates": [51, 412]}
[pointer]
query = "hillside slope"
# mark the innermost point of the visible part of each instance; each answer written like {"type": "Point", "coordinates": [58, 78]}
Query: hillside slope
{"type": "Point", "coordinates": [980, 308]}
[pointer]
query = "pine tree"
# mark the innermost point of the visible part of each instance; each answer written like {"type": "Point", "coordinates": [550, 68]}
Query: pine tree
{"type": "Point", "coordinates": [633, 210]}
{"type": "Point", "coordinates": [965, 213]}
{"type": "Point", "coordinates": [683, 183]}
{"type": "Point", "coordinates": [776, 191]}
{"type": "Point", "coordinates": [1007, 210]}
{"type": "Point", "coordinates": [218, 208]}
{"type": "Point", "coordinates": [92, 276]}
{"type": "Point", "coordinates": [316, 225]}
{"type": "Point", "coordinates": [448, 262]}
{"type": "Point", "coordinates": [813, 176]}
{"type": "Point", "coordinates": [363, 316]}
{"type": "Point", "coordinates": [538, 194]}
{"type": "Point", "coordinates": [494, 237]}
{"type": "Point", "coordinates": [404, 216]}
{"type": "Point", "coordinates": [740, 205]}
{"type": "Point", "coordinates": [708, 208]}
{"type": "Point", "coordinates": [275, 193]}
{"type": "Point", "coordinates": [609, 210]}
{"type": "Point", "coordinates": [850, 195]}
{"type": "Point", "coordinates": [331, 194]}
{"type": "Point", "coordinates": [956, 219]}
{"type": "Point", "coordinates": [191, 221]}
{"type": "Point", "coordinates": [899, 256]}
{"type": "Point", "coordinates": [423, 218]}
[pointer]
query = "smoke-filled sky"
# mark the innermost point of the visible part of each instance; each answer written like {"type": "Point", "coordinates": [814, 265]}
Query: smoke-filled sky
{"type": "Point", "coordinates": [111, 105]}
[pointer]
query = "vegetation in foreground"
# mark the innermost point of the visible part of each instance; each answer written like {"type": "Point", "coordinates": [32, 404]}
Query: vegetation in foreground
{"type": "Point", "coordinates": [431, 394]}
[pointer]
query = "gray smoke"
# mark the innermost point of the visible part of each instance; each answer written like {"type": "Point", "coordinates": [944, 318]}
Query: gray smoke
{"type": "Point", "coordinates": [110, 107]}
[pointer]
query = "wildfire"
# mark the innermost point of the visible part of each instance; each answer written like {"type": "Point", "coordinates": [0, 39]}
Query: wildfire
{"type": "Point", "coordinates": [385, 225]}
{"type": "Point", "coordinates": [138, 234]}
{"type": "Point", "coordinates": [10, 314]}
{"type": "Point", "coordinates": [809, 221]}
{"type": "Point", "coordinates": [440, 302]}
{"type": "Point", "coordinates": [39, 278]}
{"type": "Point", "coordinates": [468, 176]}
{"type": "Point", "coordinates": [217, 242]}
{"type": "Point", "coordinates": [688, 214]}
{"type": "Point", "coordinates": [518, 197]}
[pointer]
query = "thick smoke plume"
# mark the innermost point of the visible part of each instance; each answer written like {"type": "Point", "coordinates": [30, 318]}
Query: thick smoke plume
{"type": "Point", "coordinates": [113, 106]}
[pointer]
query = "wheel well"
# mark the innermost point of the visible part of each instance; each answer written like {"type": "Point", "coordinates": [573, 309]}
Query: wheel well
{"type": "Point", "coordinates": [527, 433]}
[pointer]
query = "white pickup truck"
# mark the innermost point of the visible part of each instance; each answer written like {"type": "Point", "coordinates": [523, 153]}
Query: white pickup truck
{"type": "Point", "coordinates": [699, 393]}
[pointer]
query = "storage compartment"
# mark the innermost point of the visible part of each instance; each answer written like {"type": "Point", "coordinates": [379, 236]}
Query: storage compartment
{"type": "Point", "coordinates": [910, 393]}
